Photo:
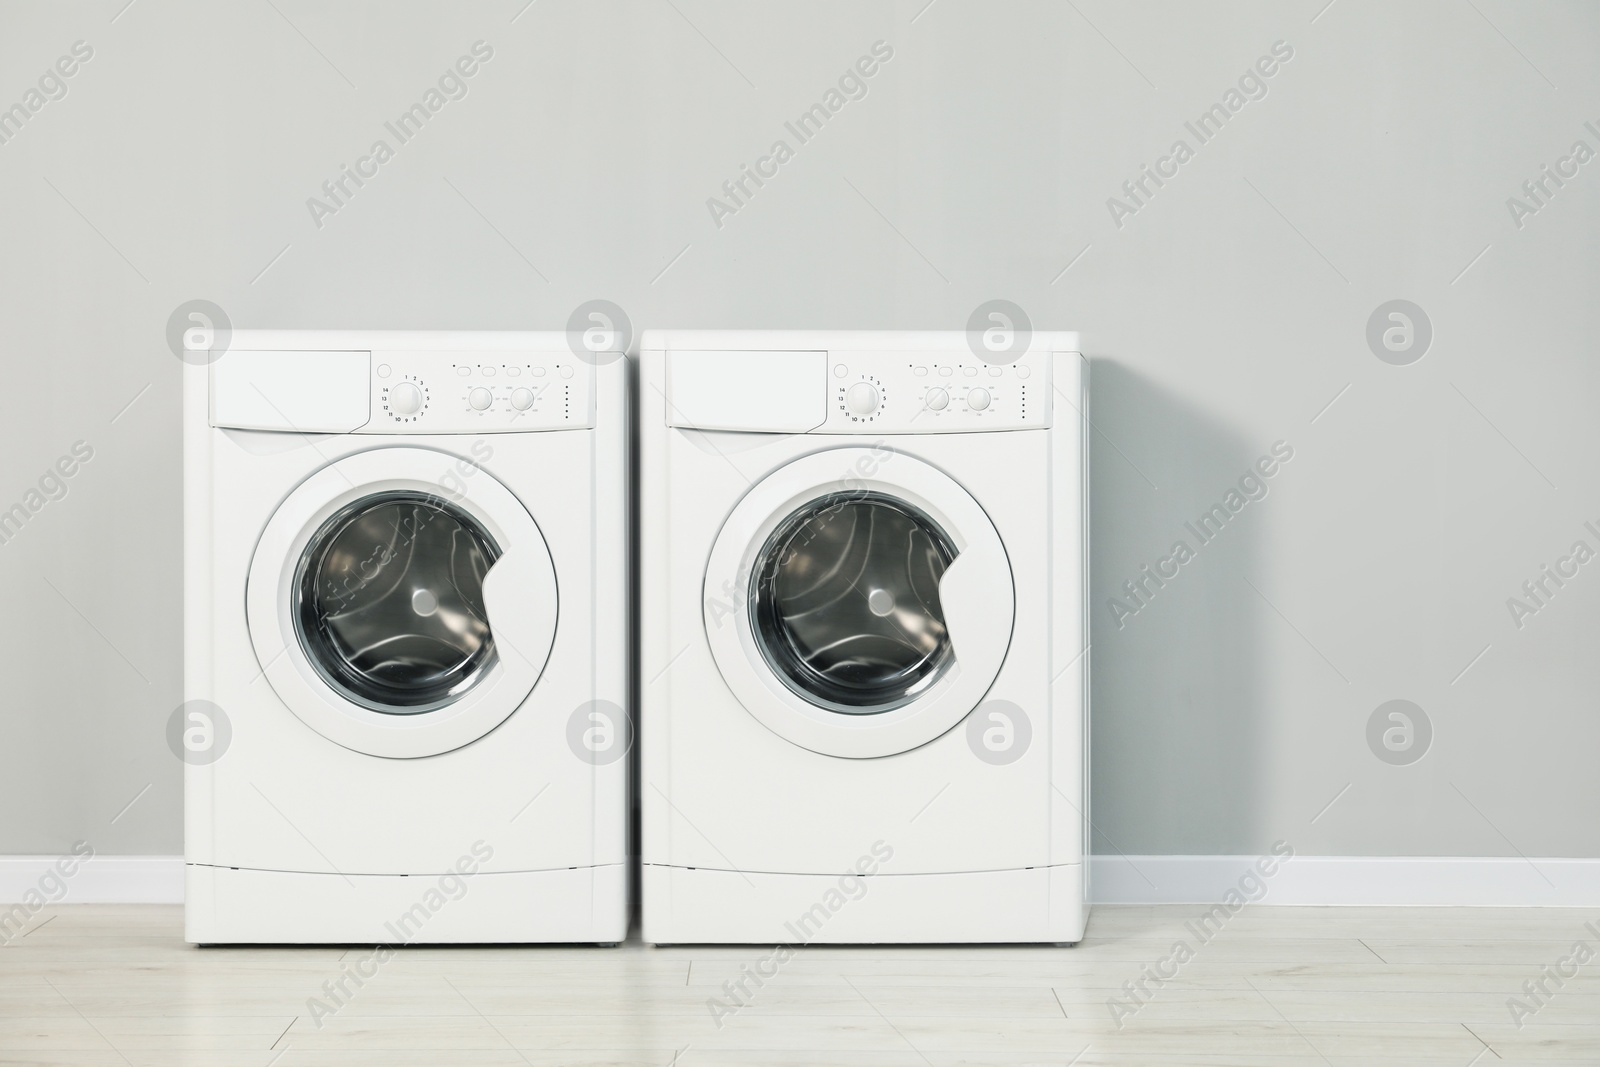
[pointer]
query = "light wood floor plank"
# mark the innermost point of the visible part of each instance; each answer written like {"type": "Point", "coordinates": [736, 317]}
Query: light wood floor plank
{"type": "Point", "coordinates": [91, 985]}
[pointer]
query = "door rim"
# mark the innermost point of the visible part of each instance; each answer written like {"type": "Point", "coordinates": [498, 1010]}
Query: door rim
{"type": "Point", "coordinates": [269, 603]}
{"type": "Point", "coordinates": [735, 646]}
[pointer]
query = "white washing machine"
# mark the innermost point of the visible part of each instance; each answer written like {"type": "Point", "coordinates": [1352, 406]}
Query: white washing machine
{"type": "Point", "coordinates": [406, 652]}
{"type": "Point", "coordinates": [864, 711]}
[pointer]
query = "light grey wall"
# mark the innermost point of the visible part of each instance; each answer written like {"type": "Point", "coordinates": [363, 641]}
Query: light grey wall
{"type": "Point", "coordinates": [1223, 316]}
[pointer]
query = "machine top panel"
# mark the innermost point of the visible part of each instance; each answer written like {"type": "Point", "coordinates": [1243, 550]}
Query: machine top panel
{"type": "Point", "coordinates": [856, 382]}
{"type": "Point", "coordinates": [406, 389]}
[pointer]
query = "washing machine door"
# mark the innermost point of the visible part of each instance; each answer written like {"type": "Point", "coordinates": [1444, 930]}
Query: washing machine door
{"type": "Point", "coordinates": [398, 617]}
{"type": "Point", "coordinates": [859, 602]}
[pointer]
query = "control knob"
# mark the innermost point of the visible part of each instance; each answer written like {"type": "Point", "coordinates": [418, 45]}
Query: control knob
{"type": "Point", "coordinates": [405, 399]}
{"type": "Point", "coordinates": [861, 398]}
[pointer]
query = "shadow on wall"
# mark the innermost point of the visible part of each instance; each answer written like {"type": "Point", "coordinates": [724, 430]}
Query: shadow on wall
{"type": "Point", "coordinates": [1179, 692]}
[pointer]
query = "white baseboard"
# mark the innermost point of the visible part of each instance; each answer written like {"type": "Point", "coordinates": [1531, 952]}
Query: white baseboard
{"type": "Point", "coordinates": [1471, 881]}
{"type": "Point", "coordinates": [97, 880]}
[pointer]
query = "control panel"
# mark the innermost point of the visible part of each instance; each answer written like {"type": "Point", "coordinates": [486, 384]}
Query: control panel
{"type": "Point", "coordinates": [935, 392]}
{"type": "Point", "coordinates": [479, 392]}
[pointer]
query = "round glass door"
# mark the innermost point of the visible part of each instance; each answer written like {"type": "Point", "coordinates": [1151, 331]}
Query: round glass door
{"type": "Point", "coordinates": [858, 602]}
{"type": "Point", "coordinates": [389, 602]}
{"type": "Point", "coordinates": [845, 604]}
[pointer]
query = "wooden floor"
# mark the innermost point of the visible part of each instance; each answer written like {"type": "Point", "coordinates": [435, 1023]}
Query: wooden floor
{"type": "Point", "coordinates": [92, 984]}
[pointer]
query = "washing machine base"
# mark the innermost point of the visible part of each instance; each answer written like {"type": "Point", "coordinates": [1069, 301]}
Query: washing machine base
{"type": "Point", "coordinates": [237, 906]}
{"type": "Point", "coordinates": [687, 905]}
